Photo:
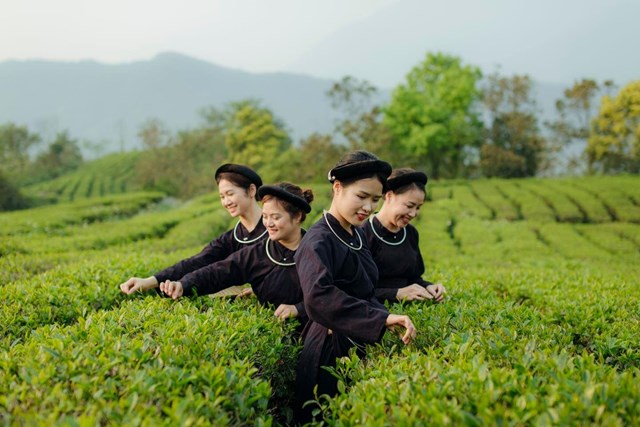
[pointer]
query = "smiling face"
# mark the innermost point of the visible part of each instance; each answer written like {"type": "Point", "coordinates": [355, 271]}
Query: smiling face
{"type": "Point", "coordinates": [355, 202]}
{"type": "Point", "coordinates": [278, 222]}
{"type": "Point", "coordinates": [401, 209]}
{"type": "Point", "coordinates": [236, 200]}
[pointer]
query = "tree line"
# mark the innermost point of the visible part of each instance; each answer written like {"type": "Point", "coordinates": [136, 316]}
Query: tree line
{"type": "Point", "coordinates": [446, 118]}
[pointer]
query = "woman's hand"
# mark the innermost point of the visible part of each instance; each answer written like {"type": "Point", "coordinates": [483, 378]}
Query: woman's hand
{"type": "Point", "coordinates": [172, 289]}
{"type": "Point", "coordinates": [413, 292]}
{"type": "Point", "coordinates": [438, 291]}
{"type": "Point", "coordinates": [284, 311]}
{"type": "Point", "coordinates": [395, 320]}
{"type": "Point", "coordinates": [246, 292]}
{"type": "Point", "coordinates": [137, 284]}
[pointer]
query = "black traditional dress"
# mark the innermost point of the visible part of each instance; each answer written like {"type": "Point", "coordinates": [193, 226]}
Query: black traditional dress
{"type": "Point", "coordinates": [397, 256]}
{"type": "Point", "coordinates": [337, 276]}
{"type": "Point", "coordinates": [217, 250]}
{"type": "Point", "coordinates": [268, 267]}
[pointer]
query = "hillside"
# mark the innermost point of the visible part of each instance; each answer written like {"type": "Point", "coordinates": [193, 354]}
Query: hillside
{"type": "Point", "coordinates": [109, 175]}
{"type": "Point", "coordinates": [107, 103]}
{"type": "Point", "coordinates": [541, 277]}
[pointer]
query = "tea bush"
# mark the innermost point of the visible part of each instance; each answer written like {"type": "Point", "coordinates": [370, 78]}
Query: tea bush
{"type": "Point", "coordinates": [540, 325]}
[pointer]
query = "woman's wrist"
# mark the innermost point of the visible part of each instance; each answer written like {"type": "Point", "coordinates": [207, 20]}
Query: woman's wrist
{"type": "Point", "coordinates": [151, 282]}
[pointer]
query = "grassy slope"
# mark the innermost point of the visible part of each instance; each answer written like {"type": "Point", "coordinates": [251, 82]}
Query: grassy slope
{"type": "Point", "coordinates": [540, 326]}
{"type": "Point", "coordinates": [111, 174]}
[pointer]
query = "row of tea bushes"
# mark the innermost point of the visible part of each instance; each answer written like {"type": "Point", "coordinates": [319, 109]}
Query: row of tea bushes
{"type": "Point", "coordinates": [51, 219]}
{"type": "Point", "coordinates": [152, 361]}
{"type": "Point", "coordinates": [507, 348]}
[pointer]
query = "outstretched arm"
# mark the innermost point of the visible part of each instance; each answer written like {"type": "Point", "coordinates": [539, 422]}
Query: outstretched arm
{"type": "Point", "coordinates": [137, 284]}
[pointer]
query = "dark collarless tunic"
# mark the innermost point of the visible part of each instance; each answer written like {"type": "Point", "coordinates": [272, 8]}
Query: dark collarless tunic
{"type": "Point", "coordinates": [338, 286]}
{"type": "Point", "coordinates": [217, 250]}
{"type": "Point", "coordinates": [398, 265]}
{"type": "Point", "coordinates": [271, 282]}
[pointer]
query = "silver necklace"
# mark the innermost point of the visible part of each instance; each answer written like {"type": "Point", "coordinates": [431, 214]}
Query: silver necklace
{"type": "Point", "coordinates": [349, 245]}
{"type": "Point", "coordinates": [245, 241]}
{"type": "Point", "coordinates": [266, 246]}
{"type": "Point", "coordinates": [373, 228]}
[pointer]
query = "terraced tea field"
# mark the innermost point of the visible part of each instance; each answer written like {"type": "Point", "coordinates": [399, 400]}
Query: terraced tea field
{"type": "Point", "coordinates": [541, 325]}
{"type": "Point", "coordinates": [112, 174]}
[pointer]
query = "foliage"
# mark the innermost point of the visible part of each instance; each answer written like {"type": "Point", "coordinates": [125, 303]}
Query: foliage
{"type": "Point", "coordinates": [148, 362]}
{"type": "Point", "coordinates": [109, 175]}
{"type": "Point", "coordinates": [254, 137]}
{"type": "Point", "coordinates": [361, 123]}
{"type": "Point", "coordinates": [577, 108]}
{"type": "Point", "coordinates": [513, 128]}
{"type": "Point", "coordinates": [575, 111]}
{"type": "Point", "coordinates": [312, 159]}
{"type": "Point", "coordinates": [503, 352]}
{"type": "Point", "coordinates": [18, 168]}
{"type": "Point", "coordinates": [180, 165]}
{"type": "Point", "coordinates": [540, 324]}
{"type": "Point", "coordinates": [496, 161]}
{"type": "Point", "coordinates": [10, 196]}
{"type": "Point", "coordinates": [63, 155]}
{"type": "Point", "coordinates": [432, 114]}
{"type": "Point", "coordinates": [614, 144]}
{"type": "Point", "coordinates": [15, 145]}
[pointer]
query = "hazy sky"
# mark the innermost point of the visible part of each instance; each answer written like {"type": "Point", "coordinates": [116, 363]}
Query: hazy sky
{"type": "Point", "coordinates": [553, 40]}
{"type": "Point", "coordinates": [235, 33]}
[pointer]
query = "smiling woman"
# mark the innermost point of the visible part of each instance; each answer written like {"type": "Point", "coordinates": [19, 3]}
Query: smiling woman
{"type": "Point", "coordinates": [270, 267]}
{"type": "Point", "coordinates": [394, 243]}
{"type": "Point", "coordinates": [238, 186]}
{"type": "Point", "coordinates": [337, 276]}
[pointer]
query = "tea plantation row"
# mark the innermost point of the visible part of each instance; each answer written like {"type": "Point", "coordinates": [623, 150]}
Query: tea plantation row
{"type": "Point", "coordinates": [540, 326]}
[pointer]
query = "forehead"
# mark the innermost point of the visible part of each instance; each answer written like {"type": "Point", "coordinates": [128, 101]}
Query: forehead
{"type": "Point", "coordinates": [226, 185]}
{"type": "Point", "coordinates": [272, 207]}
{"type": "Point", "coordinates": [367, 185]}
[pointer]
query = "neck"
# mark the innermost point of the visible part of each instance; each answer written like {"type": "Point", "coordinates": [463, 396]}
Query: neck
{"type": "Point", "coordinates": [343, 222]}
{"type": "Point", "coordinates": [385, 220]}
{"type": "Point", "coordinates": [250, 219]}
{"type": "Point", "coordinates": [292, 242]}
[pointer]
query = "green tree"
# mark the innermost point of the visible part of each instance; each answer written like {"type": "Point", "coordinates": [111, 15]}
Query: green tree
{"type": "Point", "coordinates": [614, 143]}
{"type": "Point", "coordinates": [255, 137]}
{"type": "Point", "coordinates": [352, 97]}
{"type": "Point", "coordinates": [199, 152]}
{"type": "Point", "coordinates": [575, 111]}
{"type": "Point", "coordinates": [513, 128]}
{"type": "Point", "coordinates": [155, 168]}
{"type": "Point", "coordinates": [361, 119]}
{"type": "Point", "coordinates": [62, 155]}
{"type": "Point", "coordinates": [182, 165]}
{"type": "Point", "coordinates": [433, 114]}
{"type": "Point", "coordinates": [498, 162]}
{"type": "Point", "coordinates": [311, 160]}
{"type": "Point", "coordinates": [10, 197]}
{"type": "Point", "coordinates": [15, 145]}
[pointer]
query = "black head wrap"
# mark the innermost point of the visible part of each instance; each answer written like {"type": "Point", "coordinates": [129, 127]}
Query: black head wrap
{"type": "Point", "coordinates": [281, 193]}
{"type": "Point", "coordinates": [362, 168]}
{"type": "Point", "coordinates": [245, 171]}
{"type": "Point", "coordinates": [400, 181]}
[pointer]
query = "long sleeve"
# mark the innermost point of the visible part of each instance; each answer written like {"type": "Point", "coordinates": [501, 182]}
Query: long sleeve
{"type": "Point", "coordinates": [237, 269]}
{"type": "Point", "coordinates": [419, 263]}
{"type": "Point", "coordinates": [216, 250]}
{"type": "Point", "coordinates": [387, 294]}
{"type": "Point", "coordinates": [302, 311]}
{"type": "Point", "coordinates": [330, 306]}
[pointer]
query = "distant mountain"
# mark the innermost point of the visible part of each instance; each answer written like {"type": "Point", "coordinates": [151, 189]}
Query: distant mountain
{"type": "Point", "coordinates": [108, 103]}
